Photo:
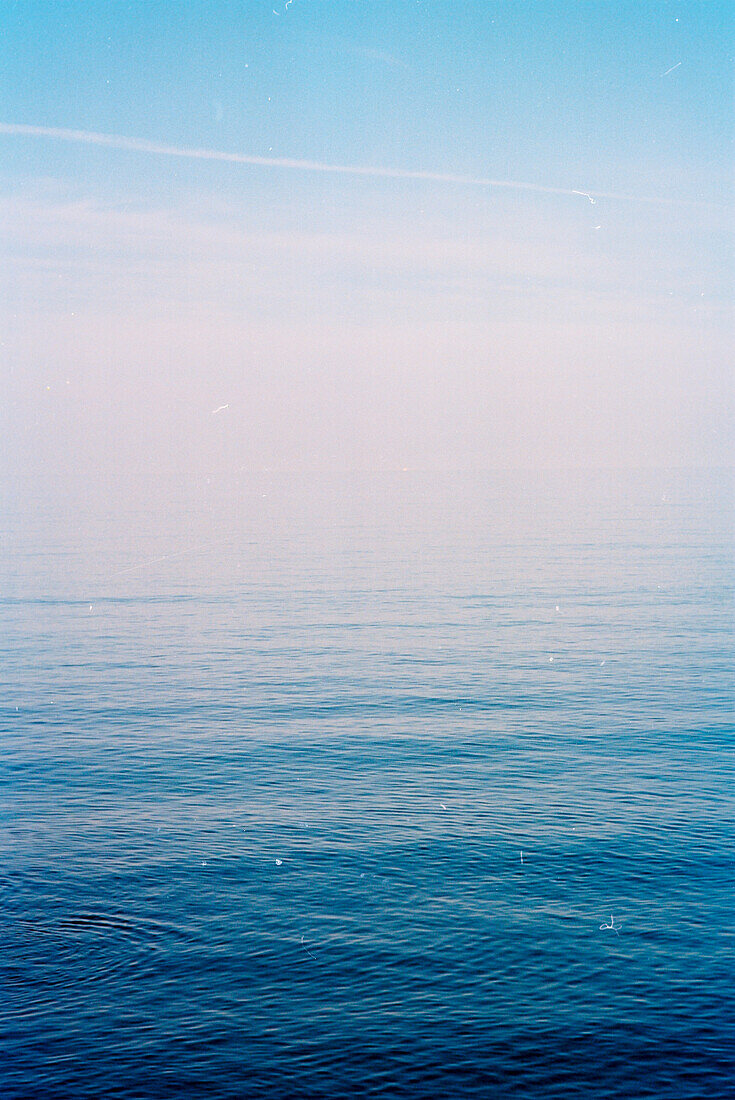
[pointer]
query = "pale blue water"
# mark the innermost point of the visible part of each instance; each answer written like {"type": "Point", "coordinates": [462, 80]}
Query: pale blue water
{"type": "Point", "coordinates": [271, 756]}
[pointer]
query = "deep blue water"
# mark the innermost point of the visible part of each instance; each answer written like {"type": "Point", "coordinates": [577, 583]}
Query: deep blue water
{"type": "Point", "coordinates": [271, 756]}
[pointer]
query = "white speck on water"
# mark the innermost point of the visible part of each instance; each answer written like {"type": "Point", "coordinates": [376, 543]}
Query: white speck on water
{"type": "Point", "coordinates": [279, 862]}
{"type": "Point", "coordinates": [306, 949]}
{"type": "Point", "coordinates": [612, 925]}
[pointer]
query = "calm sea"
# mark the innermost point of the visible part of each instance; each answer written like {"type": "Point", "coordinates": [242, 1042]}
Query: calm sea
{"type": "Point", "coordinates": [388, 786]}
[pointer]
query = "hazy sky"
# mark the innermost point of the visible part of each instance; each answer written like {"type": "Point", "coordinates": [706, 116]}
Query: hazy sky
{"type": "Point", "coordinates": [414, 314]}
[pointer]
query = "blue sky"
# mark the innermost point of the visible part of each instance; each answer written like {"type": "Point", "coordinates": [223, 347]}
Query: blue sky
{"type": "Point", "coordinates": [363, 320]}
{"type": "Point", "coordinates": [490, 89]}
{"type": "Point", "coordinates": [518, 89]}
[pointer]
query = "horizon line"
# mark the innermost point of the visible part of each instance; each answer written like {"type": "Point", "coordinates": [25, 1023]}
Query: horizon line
{"type": "Point", "coordinates": [142, 145]}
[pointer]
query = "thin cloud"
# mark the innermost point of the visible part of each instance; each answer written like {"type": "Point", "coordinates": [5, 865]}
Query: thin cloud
{"type": "Point", "coordinates": [139, 145]}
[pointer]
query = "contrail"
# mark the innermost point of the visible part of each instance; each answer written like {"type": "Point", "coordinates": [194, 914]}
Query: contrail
{"type": "Point", "coordinates": [139, 145]}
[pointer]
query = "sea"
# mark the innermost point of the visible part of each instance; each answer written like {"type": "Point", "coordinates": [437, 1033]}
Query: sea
{"type": "Point", "coordinates": [400, 784]}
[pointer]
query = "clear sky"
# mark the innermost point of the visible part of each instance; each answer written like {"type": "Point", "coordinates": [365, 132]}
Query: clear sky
{"type": "Point", "coordinates": [172, 315]}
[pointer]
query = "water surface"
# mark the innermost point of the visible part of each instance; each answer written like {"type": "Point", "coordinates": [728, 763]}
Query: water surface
{"type": "Point", "coordinates": [323, 788]}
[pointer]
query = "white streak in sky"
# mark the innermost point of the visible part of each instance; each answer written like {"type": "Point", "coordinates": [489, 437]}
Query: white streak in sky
{"type": "Point", "coordinates": [676, 66]}
{"type": "Point", "coordinates": [166, 557]}
{"type": "Point", "coordinates": [139, 145]}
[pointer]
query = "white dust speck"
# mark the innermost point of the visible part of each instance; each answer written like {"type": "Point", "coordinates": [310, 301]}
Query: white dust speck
{"type": "Point", "coordinates": [612, 925]}
{"type": "Point", "coordinates": [306, 949]}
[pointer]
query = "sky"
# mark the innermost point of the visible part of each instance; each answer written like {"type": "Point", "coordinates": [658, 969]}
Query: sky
{"type": "Point", "coordinates": [323, 235]}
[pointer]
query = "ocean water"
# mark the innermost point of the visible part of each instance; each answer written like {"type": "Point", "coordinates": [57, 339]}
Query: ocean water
{"type": "Point", "coordinates": [384, 786]}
